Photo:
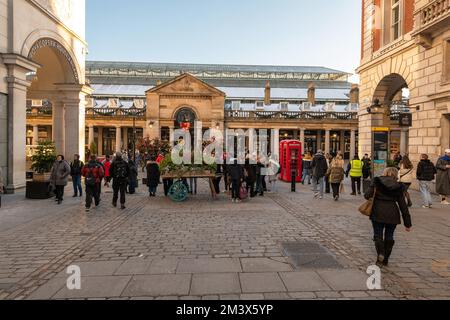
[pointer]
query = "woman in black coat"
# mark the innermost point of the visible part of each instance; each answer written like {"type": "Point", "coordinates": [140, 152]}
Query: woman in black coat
{"type": "Point", "coordinates": [389, 207]}
{"type": "Point", "coordinates": [153, 176]}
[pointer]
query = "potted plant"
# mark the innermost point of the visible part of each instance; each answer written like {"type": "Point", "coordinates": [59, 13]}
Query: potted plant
{"type": "Point", "coordinates": [43, 159]}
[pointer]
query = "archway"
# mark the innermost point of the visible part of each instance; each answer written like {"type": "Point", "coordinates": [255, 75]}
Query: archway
{"type": "Point", "coordinates": [57, 82]}
{"type": "Point", "coordinates": [392, 93]}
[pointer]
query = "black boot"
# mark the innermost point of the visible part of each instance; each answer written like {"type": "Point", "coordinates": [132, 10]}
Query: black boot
{"type": "Point", "coordinates": [388, 246]}
{"type": "Point", "coordinates": [379, 246]}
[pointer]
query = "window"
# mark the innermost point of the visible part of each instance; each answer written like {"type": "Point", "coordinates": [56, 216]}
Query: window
{"type": "Point", "coordinates": [236, 105]}
{"type": "Point", "coordinates": [284, 106]}
{"type": "Point", "coordinates": [396, 19]}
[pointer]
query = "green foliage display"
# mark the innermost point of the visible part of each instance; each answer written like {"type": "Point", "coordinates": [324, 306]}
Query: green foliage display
{"type": "Point", "coordinates": [93, 148]}
{"type": "Point", "coordinates": [153, 147]}
{"type": "Point", "coordinates": [44, 157]}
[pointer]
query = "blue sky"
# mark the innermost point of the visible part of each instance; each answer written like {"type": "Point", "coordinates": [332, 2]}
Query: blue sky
{"type": "Point", "coordinates": [280, 32]}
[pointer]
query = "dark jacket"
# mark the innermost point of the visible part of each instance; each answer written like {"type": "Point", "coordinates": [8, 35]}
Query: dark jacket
{"type": "Point", "coordinates": [319, 166]}
{"type": "Point", "coordinates": [443, 177]}
{"type": "Point", "coordinates": [133, 173]}
{"type": "Point", "coordinates": [236, 172]}
{"type": "Point", "coordinates": [153, 174]}
{"type": "Point", "coordinates": [116, 166]}
{"type": "Point", "coordinates": [75, 168]}
{"type": "Point", "coordinates": [389, 202]}
{"type": "Point", "coordinates": [306, 164]}
{"type": "Point", "coordinates": [426, 171]}
{"type": "Point", "coordinates": [251, 172]}
{"type": "Point", "coordinates": [367, 167]}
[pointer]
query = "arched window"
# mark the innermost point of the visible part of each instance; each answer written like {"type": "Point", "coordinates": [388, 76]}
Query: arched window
{"type": "Point", "coordinates": [185, 118]}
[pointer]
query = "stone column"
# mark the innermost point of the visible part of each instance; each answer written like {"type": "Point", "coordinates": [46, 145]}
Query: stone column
{"type": "Point", "coordinates": [91, 135]}
{"type": "Point", "coordinates": [58, 126]}
{"type": "Point", "coordinates": [319, 140]}
{"type": "Point", "coordinates": [302, 139]}
{"type": "Point", "coordinates": [327, 141]}
{"type": "Point", "coordinates": [125, 138]}
{"type": "Point", "coordinates": [252, 145]}
{"type": "Point", "coordinates": [403, 141]}
{"type": "Point", "coordinates": [276, 143]}
{"type": "Point", "coordinates": [18, 67]}
{"type": "Point", "coordinates": [35, 135]}
{"type": "Point", "coordinates": [74, 128]}
{"type": "Point", "coordinates": [353, 144]}
{"type": "Point", "coordinates": [100, 141]}
{"type": "Point", "coordinates": [342, 142]}
{"type": "Point", "coordinates": [118, 139]}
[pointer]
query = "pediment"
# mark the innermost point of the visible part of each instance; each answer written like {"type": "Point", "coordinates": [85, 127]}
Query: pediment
{"type": "Point", "coordinates": [186, 84]}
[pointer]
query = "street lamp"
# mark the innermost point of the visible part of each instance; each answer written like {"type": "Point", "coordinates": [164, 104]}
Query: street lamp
{"type": "Point", "coordinates": [133, 111]}
{"type": "Point", "coordinates": [375, 108]}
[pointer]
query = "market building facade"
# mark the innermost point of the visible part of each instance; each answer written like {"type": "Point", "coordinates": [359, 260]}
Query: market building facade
{"type": "Point", "coordinates": [406, 48]}
{"type": "Point", "coordinates": [131, 100]}
{"type": "Point", "coordinates": [42, 59]}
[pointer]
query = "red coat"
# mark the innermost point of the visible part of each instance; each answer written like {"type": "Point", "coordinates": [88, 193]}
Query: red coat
{"type": "Point", "coordinates": [97, 172]}
{"type": "Point", "coordinates": [159, 159]}
{"type": "Point", "coordinates": [107, 165]}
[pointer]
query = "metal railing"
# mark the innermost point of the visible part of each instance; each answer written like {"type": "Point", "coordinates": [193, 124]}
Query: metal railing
{"type": "Point", "coordinates": [115, 113]}
{"type": "Point", "coordinates": [40, 111]}
{"type": "Point", "coordinates": [290, 115]}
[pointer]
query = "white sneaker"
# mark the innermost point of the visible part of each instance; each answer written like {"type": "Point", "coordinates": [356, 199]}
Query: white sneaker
{"type": "Point", "coordinates": [426, 207]}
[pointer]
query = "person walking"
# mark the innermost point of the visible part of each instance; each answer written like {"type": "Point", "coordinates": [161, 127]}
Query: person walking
{"type": "Point", "coordinates": [389, 208]}
{"type": "Point", "coordinates": [133, 178]}
{"type": "Point", "coordinates": [120, 172]}
{"type": "Point", "coordinates": [426, 173]}
{"type": "Point", "coordinates": [59, 177]}
{"type": "Point", "coordinates": [250, 177]}
{"type": "Point", "coordinates": [236, 174]}
{"type": "Point", "coordinates": [153, 177]}
{"type": "Point", "coordinates": [274, 171]}
{"type": "Point", "coordinates": [306, 164]}
{"type": "Point", "coordinates": [107, 165]}
{"type": "Point", "coordinates": [329, 158]}
{"type": "Point", "coordinates": [355, 170]}
{"type": "Point", "coordinates": [443, 178]}
{"type": "Point", "coordinates": [75, 172]}
{"type": "Point", "coordinates": [260, 177]}
{"type": "Point", "coordinates": [93, 173]}
{"type": "Point", "coordinates": [336, 175]}
{"type": "Point", "coordinates": [406, 176]}
{"type": "Point", "coordinates": [319, 169]}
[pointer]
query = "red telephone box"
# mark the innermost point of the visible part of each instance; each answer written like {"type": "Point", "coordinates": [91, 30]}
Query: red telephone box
{"type": "Point", "coordinates": [291, 159]}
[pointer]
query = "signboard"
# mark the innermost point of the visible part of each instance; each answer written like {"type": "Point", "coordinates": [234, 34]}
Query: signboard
{"type": "Point", "coordinates": [380, 150]}
{"type": "Point", "coordinates": [405, 119]}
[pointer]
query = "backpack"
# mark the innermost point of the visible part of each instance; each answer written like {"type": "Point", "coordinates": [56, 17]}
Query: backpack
{"type": "Point", "coordinates": [120, 171]}
{"type": "Point", "coordinates": [90, 178]}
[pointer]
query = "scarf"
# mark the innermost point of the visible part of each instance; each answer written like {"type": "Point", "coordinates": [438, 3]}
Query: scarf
{"type": "Point", "coordinates": [446, 158]}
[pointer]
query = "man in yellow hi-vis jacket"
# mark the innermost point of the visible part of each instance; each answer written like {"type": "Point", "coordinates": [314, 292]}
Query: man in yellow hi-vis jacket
{"type": "Point", "coordinates": [355, 168]}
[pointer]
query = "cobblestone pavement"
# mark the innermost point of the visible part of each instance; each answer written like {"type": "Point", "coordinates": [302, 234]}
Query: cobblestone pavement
{"type": "Point", "coordinates": [215, 249]}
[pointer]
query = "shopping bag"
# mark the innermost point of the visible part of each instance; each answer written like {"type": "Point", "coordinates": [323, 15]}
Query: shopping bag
{"type": "Point", "coordinates": [243, 194]}
{"type": "Point", "coordinates": [342, 189]}
{"type": "Point", "coordinates": [367, 207]}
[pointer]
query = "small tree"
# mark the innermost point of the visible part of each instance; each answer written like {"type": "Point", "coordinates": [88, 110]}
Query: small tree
{"type": "Point", "coordinates": [93, 148]}
{"type": "Point", "coordinates": [44, 157]}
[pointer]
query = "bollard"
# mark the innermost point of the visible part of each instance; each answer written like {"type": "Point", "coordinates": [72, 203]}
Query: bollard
{"type": "Point", "coordinates": [293, 180]}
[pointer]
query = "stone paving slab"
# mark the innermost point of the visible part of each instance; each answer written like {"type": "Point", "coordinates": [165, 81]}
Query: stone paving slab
{"type": "Point", "coordinates": [94, 268]}
{"type": "Point", "coordinates": [303, 281]}
{"type": "Point", "coordinates": [162, 266]}
{"type": "Point", "coordinates": [218, 265]}
{"type": "Point", "coordinates": [158, 285]}
{"type": "Point", "coordinates": [261, 282]}
{"type": "Point", "coordinates": [94, 287]}
{"type": "Point", "coordinates": [344, 280]}
{"type": "Point", "coordinates": [215, 283]}
{"type": "Point", "coordinates": [136, 266]}
{"type": "Point", "coordinates": [264, 265]}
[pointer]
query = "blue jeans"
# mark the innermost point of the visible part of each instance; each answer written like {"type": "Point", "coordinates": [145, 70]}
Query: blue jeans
{"type": "Point", "coordinates": [306, 174]}
{"type": "Point", "coordinates": [152, 190]}
{"type": "Point", "coordinates": [77, 188]}
{"type": "Point", "coordinates": [425, 189]}
{"type": "Point", "coordinates": [321, 182]}
{"type": "Point", "coordinates": [383, 231]}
